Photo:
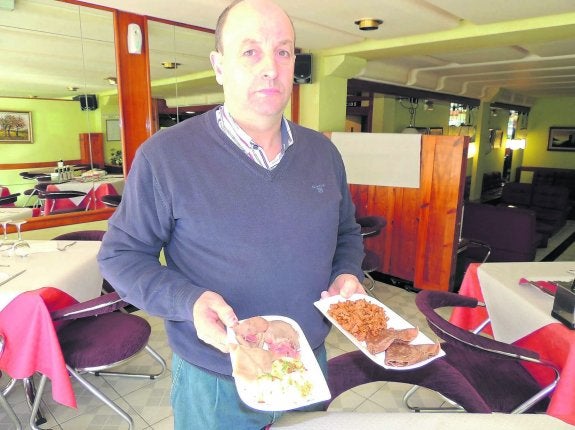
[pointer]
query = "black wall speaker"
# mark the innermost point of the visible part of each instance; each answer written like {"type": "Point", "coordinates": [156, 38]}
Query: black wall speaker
{"type": "Point", "coordinates": [302, 69]}
{"type": "Point", "coordinates": [87, 101]}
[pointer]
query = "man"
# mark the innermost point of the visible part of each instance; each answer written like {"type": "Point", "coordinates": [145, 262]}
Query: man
{"type": "Point", "coordinates": [253, 214]}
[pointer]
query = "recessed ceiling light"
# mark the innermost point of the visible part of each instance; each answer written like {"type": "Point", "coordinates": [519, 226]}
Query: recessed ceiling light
{"type": "Point", "coordinates": [367, 24]}
{"type": "Point", "coordinates": [112, 80]}
{"type": "Point", "coordinates": [71, 88]}
{"type": "Point", "coordinates": [170, 65]}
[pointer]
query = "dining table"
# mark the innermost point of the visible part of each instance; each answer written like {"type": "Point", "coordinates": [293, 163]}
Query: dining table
{"type": "Point", "coordinates": [520, 313]}
{"type": "Point", "coordinates": [94, 187]}
{"type": "Point", "coordinates": [51, 274]}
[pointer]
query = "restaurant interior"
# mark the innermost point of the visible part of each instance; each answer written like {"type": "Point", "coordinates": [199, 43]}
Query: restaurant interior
{"type": "Point", "coordinates": [473, 103]}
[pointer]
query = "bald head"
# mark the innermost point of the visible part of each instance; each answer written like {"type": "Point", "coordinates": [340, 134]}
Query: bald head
{"type": "Point", "coordinates": [224, 17]}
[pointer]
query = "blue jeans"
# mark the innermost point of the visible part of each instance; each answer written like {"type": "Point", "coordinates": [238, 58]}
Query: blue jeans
{"type": "Point", "coordinates": [205, 400]}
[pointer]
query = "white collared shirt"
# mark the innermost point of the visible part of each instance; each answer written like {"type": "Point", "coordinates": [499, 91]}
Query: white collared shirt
{"type": "Point", "coordinates": [243, 141]}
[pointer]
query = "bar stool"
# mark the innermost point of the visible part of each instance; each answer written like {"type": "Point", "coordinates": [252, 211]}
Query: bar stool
{"type": "Point", "coordinates": [370, 226]}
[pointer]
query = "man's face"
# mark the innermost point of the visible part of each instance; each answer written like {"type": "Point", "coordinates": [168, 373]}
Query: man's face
{"type": "Point", "coordinates": [257, 63]}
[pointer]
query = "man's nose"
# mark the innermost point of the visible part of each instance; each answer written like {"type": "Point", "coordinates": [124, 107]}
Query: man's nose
{"type": "Point", "coordinates": [269, 66]}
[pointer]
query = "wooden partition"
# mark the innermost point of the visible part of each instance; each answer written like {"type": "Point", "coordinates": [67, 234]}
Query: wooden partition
{"type": "Point", "coordinates": [419, 243]}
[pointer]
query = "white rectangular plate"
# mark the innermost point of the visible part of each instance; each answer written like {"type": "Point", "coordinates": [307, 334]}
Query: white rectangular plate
{"type": "Point", "coordinates": [394, 321]}
{"type": "Point", "coordinates": [279, 401]}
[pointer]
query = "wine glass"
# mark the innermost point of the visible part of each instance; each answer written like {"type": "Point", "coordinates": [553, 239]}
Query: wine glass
{"type": "Point", "coordinates": [20, 248]}
{"type": "Point", "coordinates": [4, 242]}
{"type": "Point", "coordinates": [18, 225]}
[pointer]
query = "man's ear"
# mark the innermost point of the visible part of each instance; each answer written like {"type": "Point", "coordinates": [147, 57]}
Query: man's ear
{"type": "Point", "coordinates": [216, 60]}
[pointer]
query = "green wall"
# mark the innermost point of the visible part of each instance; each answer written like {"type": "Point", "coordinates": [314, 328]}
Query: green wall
{"type": "Point", "coordinates": [548, 112]}
{"type": "Point", "coordinates": [56, 125]}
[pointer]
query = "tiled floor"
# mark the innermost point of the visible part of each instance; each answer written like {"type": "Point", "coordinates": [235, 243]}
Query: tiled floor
{"type": "Point", "coordinates": [148, 401]}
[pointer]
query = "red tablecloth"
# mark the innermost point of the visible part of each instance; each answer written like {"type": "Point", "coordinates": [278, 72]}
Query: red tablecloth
{"type": "Point", "coordinates": [31, 343]}
{"type": "Point", "coordinates": [554, 342]}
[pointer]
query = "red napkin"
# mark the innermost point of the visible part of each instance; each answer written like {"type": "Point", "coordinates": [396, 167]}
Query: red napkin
{"type": "Point", "coordinates": [546, 286]}
{"type": "Point", "coordinates": [31, 343]}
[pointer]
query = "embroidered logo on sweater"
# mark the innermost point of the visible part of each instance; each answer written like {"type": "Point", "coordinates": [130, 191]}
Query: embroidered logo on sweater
{"type": "Point", "coordinates": [319, 188]}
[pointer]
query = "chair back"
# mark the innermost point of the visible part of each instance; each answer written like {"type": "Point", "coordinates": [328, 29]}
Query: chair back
{"type": "Point", "coordinates": [428, 301]}
{"type": "Point", "coordinates": [93, 235]}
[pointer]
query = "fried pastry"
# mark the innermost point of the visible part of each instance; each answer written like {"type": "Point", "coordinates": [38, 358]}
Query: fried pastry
{"type": "Point", "coordinates": [401, 354]}
{"type": "Point", "coordinates": [380, 342]}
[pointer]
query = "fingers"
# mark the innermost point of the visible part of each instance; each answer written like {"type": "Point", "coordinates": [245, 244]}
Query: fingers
{"type": "Point", "coordinates": [211, 317]}
{"type": "Point", "coordinates": [344, 285]}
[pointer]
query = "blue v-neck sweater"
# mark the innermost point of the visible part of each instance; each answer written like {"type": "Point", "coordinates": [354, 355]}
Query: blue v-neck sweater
{"type": "Point", "coordinates": [267, 241]}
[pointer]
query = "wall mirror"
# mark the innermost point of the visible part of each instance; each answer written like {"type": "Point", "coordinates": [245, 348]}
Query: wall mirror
{"type": "Point", "coordinates": [58, 67]}
{"type": "Point", "coordinates": [183, 83]}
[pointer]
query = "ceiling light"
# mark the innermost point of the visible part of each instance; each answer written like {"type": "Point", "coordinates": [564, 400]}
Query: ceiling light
{"type": "Point", "coordinates": [112, 80]}
{"type": "Point", "coordinates": [170, 65]}
{"type": "Point", "coordinates": [367, 24]}
{"type": "Point", "coordinates": [72, 88]}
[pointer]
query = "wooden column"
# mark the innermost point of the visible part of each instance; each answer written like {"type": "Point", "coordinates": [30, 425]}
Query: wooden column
{"type": "Point", "coordinates": [419, 242]}
{"type": "Point", "coordinates": [134, 87]}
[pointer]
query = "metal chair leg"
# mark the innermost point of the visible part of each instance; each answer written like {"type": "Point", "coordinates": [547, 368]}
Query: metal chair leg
{"type": "Point", "coordinates": [371, 286]}
{"type": "Point", "coordinates": [105, 399]}
{"type": "Point", "coordinates": [31, 396]}
{"type": "Point", "coordinates": [154, 355]}
{"type": "Point", "coordinates": [454, 408]}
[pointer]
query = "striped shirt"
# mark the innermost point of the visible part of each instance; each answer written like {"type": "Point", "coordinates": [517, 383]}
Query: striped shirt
{"type": "Point", "coordinates": [243, 141]}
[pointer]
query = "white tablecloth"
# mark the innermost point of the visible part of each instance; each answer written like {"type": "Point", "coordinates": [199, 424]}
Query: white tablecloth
{"type": "Point", "coordinates": [518, 310]}
{"type": "Point", "coordinates": [74, 271]}
{"type": "Point", "coordinates": [432, 421]}
{"type": "Point", "coordinates": [7, 214]}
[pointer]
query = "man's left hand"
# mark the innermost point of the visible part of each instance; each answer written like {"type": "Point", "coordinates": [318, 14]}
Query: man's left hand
{"type": "Point", "coordinates": [345, 285]}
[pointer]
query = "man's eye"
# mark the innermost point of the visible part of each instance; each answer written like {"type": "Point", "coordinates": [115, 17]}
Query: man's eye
{"type": "Point", "coordinates": [250, 53]}
{"type": "Point", "coordinates": [284, 53]}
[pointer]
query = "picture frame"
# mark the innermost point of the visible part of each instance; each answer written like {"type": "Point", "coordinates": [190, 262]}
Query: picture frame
{"type": "Point", "coordinates": [113, 130]}
{"type": "Point", "coordinates": [16, 127]}
{"type": "Point", "coordinates": [436, 131]}
{"type": "Point", "coordinates": [561, 139]}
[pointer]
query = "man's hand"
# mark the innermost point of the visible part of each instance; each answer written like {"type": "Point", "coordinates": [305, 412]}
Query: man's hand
{"type": "Point", "coordinates": [345, 285]}
{"type": "Point", "coordinates": [211, 317]}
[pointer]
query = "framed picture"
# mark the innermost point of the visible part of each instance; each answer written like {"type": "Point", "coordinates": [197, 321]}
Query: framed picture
{"type": "Point", "coordinates": [436, 131]}
{"type": "Point", "coordinates": [15, 127]}
{"type": "Point", "coordinates": [112, 129]}
{"type": "Point", "coordinates": [495, 137]}
{"type": "Point", "coordinates": [561, 139]}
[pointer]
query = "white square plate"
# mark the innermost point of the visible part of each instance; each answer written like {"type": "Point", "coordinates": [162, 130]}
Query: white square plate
{"type": "Point", "coordinates": [278, 400]}
{"type": "Point", "coordinates": [394, 321]}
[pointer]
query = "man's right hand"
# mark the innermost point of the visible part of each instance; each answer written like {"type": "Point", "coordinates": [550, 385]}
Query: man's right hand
{"type": "Point", "coordinates": [211, 316]}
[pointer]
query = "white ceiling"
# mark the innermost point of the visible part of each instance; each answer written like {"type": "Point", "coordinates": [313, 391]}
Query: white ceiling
{"type": "Point", "coordinates": [511, 51]}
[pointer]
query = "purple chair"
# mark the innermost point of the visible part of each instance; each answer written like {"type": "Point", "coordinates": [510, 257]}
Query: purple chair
{"type": "Point", "coordinates": [96, 336]}
{"type": "Point", "coordinates": [477, 374]}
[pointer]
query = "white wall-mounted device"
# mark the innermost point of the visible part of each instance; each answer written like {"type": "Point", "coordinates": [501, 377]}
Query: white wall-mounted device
{"type": "Point", "coordinates": [134, 39]}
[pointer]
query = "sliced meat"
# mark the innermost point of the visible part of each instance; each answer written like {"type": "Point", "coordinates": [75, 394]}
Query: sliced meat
{"type": "Point", "coordinates": [401, 354]}
{"type": "Point", "coordinates": [282, 339]}
{"type": "Point", "coordinates": [379, 343]}
{"type": "Point", "coordinates": [250, 332]}
{"type": "Point", "coordinates": [249, 363]}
